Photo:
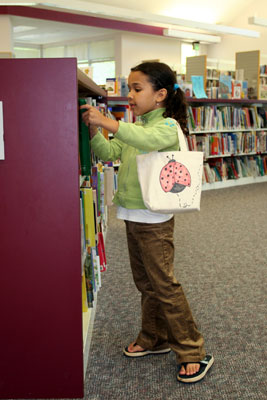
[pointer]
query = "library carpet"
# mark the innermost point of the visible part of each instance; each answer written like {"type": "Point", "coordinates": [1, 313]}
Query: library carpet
{"type": "Point", "coordinates": [221, 259]}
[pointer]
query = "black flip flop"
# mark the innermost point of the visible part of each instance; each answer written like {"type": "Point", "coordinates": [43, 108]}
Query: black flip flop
{"type": "Point", "coordinates": [205, 365]}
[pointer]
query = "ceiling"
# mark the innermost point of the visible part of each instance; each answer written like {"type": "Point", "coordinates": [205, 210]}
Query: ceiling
{"type": "Point", "coordinates": [41, 32]}
{"type": "Point", "coordinates": [38, 32]}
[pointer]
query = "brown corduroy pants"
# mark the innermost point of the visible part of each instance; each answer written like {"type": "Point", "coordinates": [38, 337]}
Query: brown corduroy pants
{"type": "Point", "coordinates": [166, 317]}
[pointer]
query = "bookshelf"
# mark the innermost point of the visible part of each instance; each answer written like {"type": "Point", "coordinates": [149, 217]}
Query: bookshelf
{"type": "Point", "coordinates": [88, 89]}
{"type": "Point", "coordinates": [236, 104]}
{"type": "Point", "coordinates": [40, 282]}
{"type": "Point", "coordinates": [233, 136]}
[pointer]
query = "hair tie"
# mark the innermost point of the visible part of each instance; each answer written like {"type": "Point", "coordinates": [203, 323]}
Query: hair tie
{"type": "Point", "coordinates": [175, 86]}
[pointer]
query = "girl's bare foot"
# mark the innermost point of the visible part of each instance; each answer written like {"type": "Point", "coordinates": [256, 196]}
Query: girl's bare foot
{"type": "Point", "coordinates": [191, 369]}
{"type": "Point", "coordinates": [134, 347]}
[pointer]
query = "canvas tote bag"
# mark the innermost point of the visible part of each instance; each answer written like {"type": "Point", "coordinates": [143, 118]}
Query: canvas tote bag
{"type": "Point", "coordinates": [171, 181]}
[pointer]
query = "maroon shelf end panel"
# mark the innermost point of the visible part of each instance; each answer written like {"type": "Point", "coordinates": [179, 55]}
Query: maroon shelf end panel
{"type": "Point", "coordinates": [40, 247]}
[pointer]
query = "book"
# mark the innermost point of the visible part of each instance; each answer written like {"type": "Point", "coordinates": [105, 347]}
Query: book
{"type": "Point", "coordinates": [263, 92]}
{"type": "Point", "coordinates": [101, 252]}
{"type": "Point", "coordinates": [88, 272]}
{"type": "Point", "coordinates": [95, 180]}
{"type": "Point", "coordinates": [122, 112]}
{"type": "Point", "coordinates": [209, 173]}
{"type": "Point", "coordinates": [217, 166]}
{"type": "Point", "coordinates": [236, 89]}
{"type": "Point", "coordinates": [123, 87]}
{"type": "Point", "coordinates": [225, 86]}
{"type": "Point", "coordinates": [214, 145]}
{"type": "Point", "coordinates": [111, 86]}
{"type": "Point", "coordinates": [89, 220]}
{"type": "Point", "coordinates": [244, 91]}
{"type": "Point", "coordinates": [109, 185]}
{"type": "Point", "coordinates": [187, 88]}
{"type": "Point", "coordinates": [84, 294]}
{"type": "Point", "coordinates": [96, 281]}
{"type": "Point", "coordinates": [84, 143]}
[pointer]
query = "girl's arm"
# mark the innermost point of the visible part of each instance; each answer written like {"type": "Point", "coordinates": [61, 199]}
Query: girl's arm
{"type": "Point", "coordinates": [94, 117]}
{"type": "Point", "coordinates": [106, 150]}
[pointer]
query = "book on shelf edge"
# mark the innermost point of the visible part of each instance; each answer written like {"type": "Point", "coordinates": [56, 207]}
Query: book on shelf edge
{"type": "Point", "coordinates": [89, 220]}
{"type": "Point", "coordinates": [88, 271]}
{"type": "Point", "coordinates": [84, 143]}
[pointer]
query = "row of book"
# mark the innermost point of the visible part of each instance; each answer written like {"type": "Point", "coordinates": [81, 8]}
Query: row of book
{"type": "Point", "coordinates": [121, 112]}
{"type": "Point", "coordinates": [233, 143]}
{"type": "Point", "coordinates": [96, 193]}
{"type": "Point", "coordinates": [85, 153]}
{"type": "Point", "coordinates": [222, 169]}
{"type": "Point", "coordinates": [117, 86]}
{"type": "Point", "coordinates": [218, 117]}
{"type": "Point", "coordinates": [263, 69]}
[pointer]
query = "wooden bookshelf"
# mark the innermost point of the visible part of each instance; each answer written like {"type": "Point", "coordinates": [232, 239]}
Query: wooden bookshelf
{"type": "Point", "coordinates": [42, 322]}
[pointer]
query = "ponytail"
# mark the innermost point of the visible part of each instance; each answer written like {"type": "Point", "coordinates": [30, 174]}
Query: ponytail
{"type": "Point", "coordinates": [176, 107]}
{"type": "Point", "coordinates": [161, 76]}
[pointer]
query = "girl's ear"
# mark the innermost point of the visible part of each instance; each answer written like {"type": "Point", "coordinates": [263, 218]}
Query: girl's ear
{"type": "Point", "coordinates": [161, 95]}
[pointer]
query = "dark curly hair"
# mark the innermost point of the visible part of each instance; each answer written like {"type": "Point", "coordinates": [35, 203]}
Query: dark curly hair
{"type": "Point", "coordinates": [161, 76]}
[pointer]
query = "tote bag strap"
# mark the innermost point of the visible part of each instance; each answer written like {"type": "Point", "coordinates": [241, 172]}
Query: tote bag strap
{"type": "Point", "coordinates": [181, 138]}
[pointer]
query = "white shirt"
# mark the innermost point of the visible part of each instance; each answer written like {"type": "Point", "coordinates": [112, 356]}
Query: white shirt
{"type": "Point", "coordinates": [142, 215]}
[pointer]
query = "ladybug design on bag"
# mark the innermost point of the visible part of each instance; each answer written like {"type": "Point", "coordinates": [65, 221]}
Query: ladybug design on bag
{"type": "Point", "coordinates": [174, 177]}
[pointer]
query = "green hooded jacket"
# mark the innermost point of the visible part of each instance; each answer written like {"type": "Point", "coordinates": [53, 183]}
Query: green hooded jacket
{"type": "Point", "coordinates": [153, 133]}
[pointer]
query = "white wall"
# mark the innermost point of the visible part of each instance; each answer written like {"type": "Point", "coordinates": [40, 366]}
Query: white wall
{"type": "Point", "coordinates": [135, 48]}
{"type": "Point", "coordinates": [6, 34]}
{"type": "Point", "coordinates": [231, 44]}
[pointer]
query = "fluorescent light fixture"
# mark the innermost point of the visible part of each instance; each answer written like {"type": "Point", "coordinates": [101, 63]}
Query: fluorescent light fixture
{"type": "Point", "coordinates": [257, 21]}
{"type": "Point", "coordinates": [143, 17]}
{"type": "Point", "coordinates": [23, 28]}
{"type": "Point", "coordinates": [197, 37]}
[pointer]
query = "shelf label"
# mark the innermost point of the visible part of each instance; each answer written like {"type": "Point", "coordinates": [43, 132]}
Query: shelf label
{"type": "Point", "coordinates": [2, 148]}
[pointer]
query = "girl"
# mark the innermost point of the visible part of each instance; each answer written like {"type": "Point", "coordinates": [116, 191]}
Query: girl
{"type": "Point", "coordinates": [167, 322]}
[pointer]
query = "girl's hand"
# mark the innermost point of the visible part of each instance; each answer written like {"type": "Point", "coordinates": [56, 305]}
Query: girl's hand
{"type": "Point", "coordinates": [91, 115]}
{"type": "Point", "coordinates": [94, 117]}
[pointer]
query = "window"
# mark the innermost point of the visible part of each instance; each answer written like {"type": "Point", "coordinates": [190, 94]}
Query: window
{"type": "Point", "coordinates": [53, 52]}
{"type": "Point", "coordinates": [24, 52]}
{"type": "Point", "coordinates": [103, 70]}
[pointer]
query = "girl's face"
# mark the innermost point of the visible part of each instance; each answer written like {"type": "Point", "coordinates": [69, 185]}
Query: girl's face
{"type": "Point", "coordinates": [142, 97]}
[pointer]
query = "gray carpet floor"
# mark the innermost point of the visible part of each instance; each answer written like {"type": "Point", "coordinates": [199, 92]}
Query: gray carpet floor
{"type": "Point", "coordinates": [221, 259]}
